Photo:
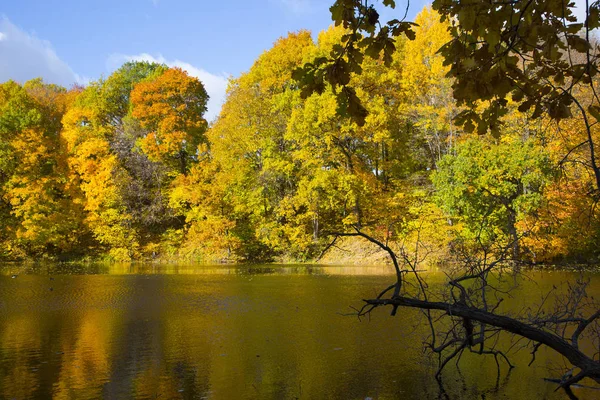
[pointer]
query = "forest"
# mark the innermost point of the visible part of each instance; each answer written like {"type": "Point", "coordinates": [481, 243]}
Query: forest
{"type": "Point", "coordinates": [456, 153]}
{"type": "Point", "coordinates": [127, 168]}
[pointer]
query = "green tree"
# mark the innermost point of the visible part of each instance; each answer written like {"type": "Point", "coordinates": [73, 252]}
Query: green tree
{"type": "Point", "coordinates": [490, 185]}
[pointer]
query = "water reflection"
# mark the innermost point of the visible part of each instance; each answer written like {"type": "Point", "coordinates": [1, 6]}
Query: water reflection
{"type": "Point", "coordinates": [272, 332]}
{"type": "Point", "coordinates": [192, 269]}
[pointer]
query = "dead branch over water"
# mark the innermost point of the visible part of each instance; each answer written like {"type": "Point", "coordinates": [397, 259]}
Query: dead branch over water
{"type": "Point", "coordinates": [463, 314]}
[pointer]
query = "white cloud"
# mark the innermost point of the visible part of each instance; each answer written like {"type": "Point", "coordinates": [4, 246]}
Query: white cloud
{"type": "Point", "coordinates": [24, 56]}
{"type": "Point", "coordinates": [215, 84]}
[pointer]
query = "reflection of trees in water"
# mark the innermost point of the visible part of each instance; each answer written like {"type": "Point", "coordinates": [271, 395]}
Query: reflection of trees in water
{"type": "Point", "coordinates": [195, 269]}
{"type": "Point", "coordinates": [249, 269]}
{"type": "Point", "coordinates": [261, 336]}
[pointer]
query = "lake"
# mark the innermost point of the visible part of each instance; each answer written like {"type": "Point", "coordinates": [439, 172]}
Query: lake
{"type": "Point", "coordinates": [151, 331]}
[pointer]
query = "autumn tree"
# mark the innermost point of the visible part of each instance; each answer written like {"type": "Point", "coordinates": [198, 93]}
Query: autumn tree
{"type": "Point", "coordinates": [212, 231]}
{"type": "Point", "coordinates": [144, 190]}
{"type": "Point", "coordinates": [43, 220]}
{"type": "Point", "coordinates": [426, 90]}
{"type": "Point", "coordinates": [252, 156]}
{"type": "Point", "coordinates": [95, 170]}
{"type": "Point", "coordinates": [171, 107]}
{"type": "Point", "coordinates": [567, 227]}
{"type": "Point", "coordinates": [119, 188]}
{"type": "Point", "coordinates": [528, 53]}
{"type": "Point", "coordinates": [532, 52]}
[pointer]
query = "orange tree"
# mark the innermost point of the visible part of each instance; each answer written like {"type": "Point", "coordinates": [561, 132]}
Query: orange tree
{"type": "Point", "coordinates": [171, 106]}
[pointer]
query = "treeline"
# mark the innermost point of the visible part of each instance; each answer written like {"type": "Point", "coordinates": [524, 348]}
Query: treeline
{"type": "Point", "coordinates": [127, 168]}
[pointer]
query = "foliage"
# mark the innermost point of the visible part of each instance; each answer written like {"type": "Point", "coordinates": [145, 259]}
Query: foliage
{"type": "Point", "coordinates": [127, 168]}
{"type": "Point", "coordinates": [107, 132]}
{"type": "Point", "coordinates": [40, 218]}
{"type": "Point", "coordinates": [491, 186]}
{"type": "Point", "coordinates": [170, 107]}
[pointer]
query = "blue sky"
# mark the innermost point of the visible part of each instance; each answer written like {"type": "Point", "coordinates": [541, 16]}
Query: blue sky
{"type": "Point", "coordinates": [67, 41]}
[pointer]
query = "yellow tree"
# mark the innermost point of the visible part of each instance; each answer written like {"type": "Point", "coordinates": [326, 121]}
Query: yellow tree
{"type": "Point", "coordinates": [568, 226]}
{"type": "Point", "coordinates": [46, 221]}
{"type": "Point", "coordinates": [252, 156]}
{"type": "Point", "coordinates": [123, 189]}
{"type": "Point", "coordinates": [426, 90]}
{"type": "Point", "coordinates": [366, 175]}
{"type": "Point", "coordinates": [203, 199]}
{"type": "Point", "coordinates": [97, 173]}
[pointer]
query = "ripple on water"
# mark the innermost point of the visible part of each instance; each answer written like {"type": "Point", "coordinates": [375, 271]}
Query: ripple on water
{"type": "Point", "coordinates": [239, 335]}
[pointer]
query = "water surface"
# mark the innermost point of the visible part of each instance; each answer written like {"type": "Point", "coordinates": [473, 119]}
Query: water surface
{"type": "Point", "coordinates": [232, 332]}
